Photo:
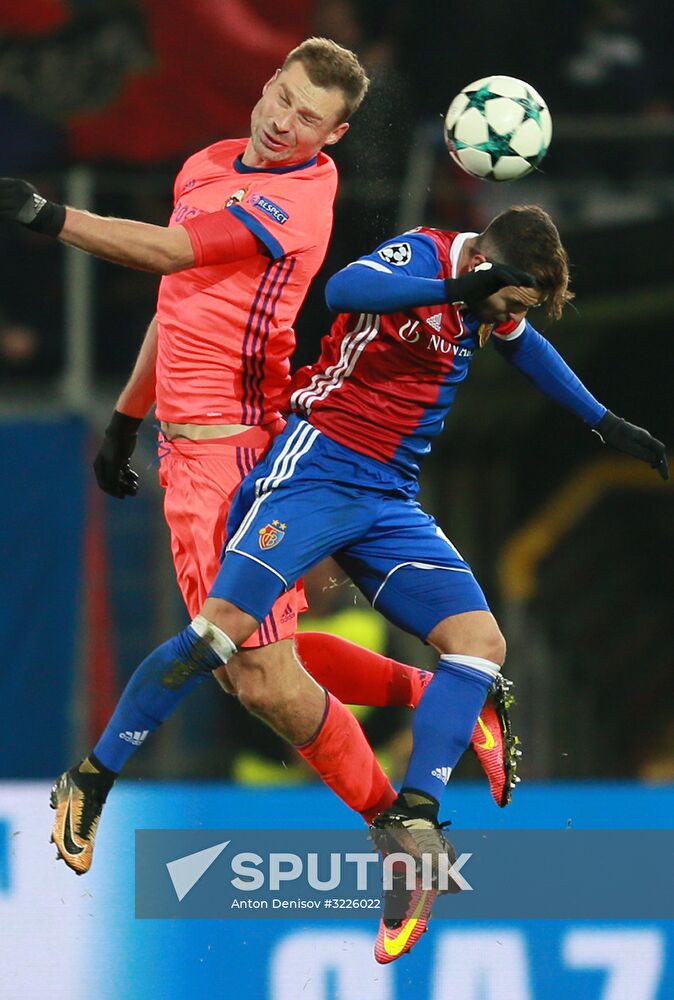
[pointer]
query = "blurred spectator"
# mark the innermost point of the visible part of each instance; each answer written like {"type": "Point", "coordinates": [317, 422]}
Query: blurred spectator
{"type": "Point", "coordinates": [608, 70]}
{"type": "Point", "coordinates": [18, 345]}
{"type": "Point", "coordinates": [31, 295]}
{"type": "Point", "coordinates": [24, 351]}
{"type": "Point", "coordinates": [116, 80]}
{"type": "Point", "coordinates": [58, 61]}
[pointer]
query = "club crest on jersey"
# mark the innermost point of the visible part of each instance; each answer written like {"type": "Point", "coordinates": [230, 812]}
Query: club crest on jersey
{"type": "Point", "coordinates": [484, 332]}
{"type": "Point", "coordinates": [270, 208]}
{"type": "Point", "coordinates": [236, 198]}
{"type": "Point", "coordinates": [272, 534]}
{"type": "Point", "coordinates": [396, 253]}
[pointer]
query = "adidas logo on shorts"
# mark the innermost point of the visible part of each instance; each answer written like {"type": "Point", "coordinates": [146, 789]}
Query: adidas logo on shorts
{"type": "Point", "coordinates": [287, 615]}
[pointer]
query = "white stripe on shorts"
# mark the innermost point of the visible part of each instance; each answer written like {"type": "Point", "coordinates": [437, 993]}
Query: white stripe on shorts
{"type": "Point", "coordinates": [416, 565]}
{"type": "Point", "coordinates": [298, 444]}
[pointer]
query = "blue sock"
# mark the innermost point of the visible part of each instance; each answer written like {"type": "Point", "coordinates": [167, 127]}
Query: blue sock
{"type": "Point", "coordinates": [154, 691]}
{"type": "Point", "coordinates": [444, 720]}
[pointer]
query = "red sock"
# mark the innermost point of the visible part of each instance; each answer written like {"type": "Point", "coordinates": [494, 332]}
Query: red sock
{"type": "Point", "coordinates": [343, 758]}
{"type": "Point", "coordinates": [358, 676]}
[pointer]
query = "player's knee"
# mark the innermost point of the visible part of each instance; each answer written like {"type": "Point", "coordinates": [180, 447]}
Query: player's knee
{"type": "Point", "coordinates": [494, 646]}
{"type": "Point", "coordinates": [222, 677]}
{"type": "Point", "coordinates": [472, 634]}
{"type": "Point", "coordinates": [488, 643]}
{"type": "Point", "coordinates": [249, 682]}
{"type": "Point", "coordinates": [255, 696]}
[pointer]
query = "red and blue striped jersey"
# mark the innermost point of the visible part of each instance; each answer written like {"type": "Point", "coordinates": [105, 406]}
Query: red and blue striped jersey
{"type": "Point", "coordinates": [384, 383]}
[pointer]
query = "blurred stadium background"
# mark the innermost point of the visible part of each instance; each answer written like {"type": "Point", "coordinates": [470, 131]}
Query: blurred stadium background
{"type": "Point", "coordinates": [100, 101]}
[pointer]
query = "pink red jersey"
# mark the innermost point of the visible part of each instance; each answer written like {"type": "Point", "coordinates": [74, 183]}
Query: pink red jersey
{"type": "Point", "coordinates": [383, 384]}
{"type": "Point", "coordinates": [226, 330]}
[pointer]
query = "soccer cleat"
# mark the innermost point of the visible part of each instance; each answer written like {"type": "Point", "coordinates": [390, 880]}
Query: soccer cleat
{"type": "Point", "coordinates": [496, 747]}
{"type": "Point", "coordinates": [407, 911]}
{"type": "Point", "coordinates": [398, 935]}
{"type": "Point", "coordinates": [492, 740]}
{"type": "Point", "coordinates": [78, 799]}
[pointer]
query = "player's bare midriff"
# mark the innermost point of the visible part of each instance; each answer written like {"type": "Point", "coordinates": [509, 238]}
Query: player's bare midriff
{"type": "Point", "coordinates": [201, 432]}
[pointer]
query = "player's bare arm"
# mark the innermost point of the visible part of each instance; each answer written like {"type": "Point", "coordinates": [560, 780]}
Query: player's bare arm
{"type": "Point", "coordinates": [135, 244]}
{"type": "Point", "coordinates": [137, 396]}
{"type": "Point", "coordinates": [141, 245]}
{"type": "Point", "coordinates": [112, 466]}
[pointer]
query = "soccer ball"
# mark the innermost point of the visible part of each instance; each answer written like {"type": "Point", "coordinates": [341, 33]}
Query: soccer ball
{"type": "Point", "coordinates": [498, 128]}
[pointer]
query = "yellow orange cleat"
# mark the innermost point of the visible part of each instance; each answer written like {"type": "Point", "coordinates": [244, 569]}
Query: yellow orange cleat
{"type": "Point", "coordinates": [78, 801]}
{"type": "Point", "coordinates": [397, 936]}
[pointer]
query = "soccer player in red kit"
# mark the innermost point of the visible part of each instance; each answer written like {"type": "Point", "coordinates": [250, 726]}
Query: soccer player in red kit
{"type": "Point", "coordinates": [249, 230]}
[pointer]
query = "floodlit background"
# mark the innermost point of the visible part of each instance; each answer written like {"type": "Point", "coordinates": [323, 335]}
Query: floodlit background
{"type": "Point", "coordinates": [100, 102]}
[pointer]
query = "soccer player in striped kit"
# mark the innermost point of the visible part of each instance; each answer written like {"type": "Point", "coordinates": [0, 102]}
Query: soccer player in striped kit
{"type": "Point", "coordinates": [343, 477]}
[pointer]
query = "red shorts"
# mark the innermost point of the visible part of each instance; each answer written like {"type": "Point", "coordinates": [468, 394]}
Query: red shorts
{"type": "Point", "coordinates": [200, 479]}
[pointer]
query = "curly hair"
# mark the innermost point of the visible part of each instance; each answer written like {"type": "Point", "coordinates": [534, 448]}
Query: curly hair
{"type": "Point", "coordinates": [525, 236]}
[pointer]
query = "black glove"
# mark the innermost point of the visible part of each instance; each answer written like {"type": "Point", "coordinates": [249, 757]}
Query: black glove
{"type": "Point", "coordinates": [114, 475]}
{"type": "Point", "coordinates": [633, 441]}
{"type": "Point", "coordinates": [20, 202]}
{"type": "Point", "coordinates": [486, 279]}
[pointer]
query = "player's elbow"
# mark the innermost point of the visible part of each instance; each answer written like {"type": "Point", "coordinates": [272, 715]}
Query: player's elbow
{"type": "Point", "coordinates": [175, 252]}
{"type": "Point", "coordinates": [168, 266]}
{"type": "Point", "coordinates": [171, 263]}
{"type": "Point", "coordinates": [336, 293]}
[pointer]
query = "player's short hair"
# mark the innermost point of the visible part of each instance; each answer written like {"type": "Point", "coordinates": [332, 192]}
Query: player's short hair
{"type": "Point", "coordinates": [330, 65]}
{"type": "Point", "coordinates": [525, 236]}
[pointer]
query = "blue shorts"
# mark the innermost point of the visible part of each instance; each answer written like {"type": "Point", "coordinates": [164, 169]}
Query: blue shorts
{"type": "Point", "coordinates": [310, 498]}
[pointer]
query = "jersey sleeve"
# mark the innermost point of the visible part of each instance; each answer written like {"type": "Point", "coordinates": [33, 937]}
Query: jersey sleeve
{"type": "Point", "coordinates": [220, 238]}
{"type": "Point", "coordinates": [541, 364]}
{"type": "Point", "coordinates": [401, 274]}
{"type": "Point", "coordinates": [287, 214]}
{"type": "Point", "coordinates": [413, 254]}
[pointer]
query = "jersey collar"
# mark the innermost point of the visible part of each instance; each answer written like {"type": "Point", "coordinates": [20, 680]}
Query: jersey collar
{"type": "Point", "coordinates": [456, 248]}
{"type": "Point", "coordinates": [241, 167]}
